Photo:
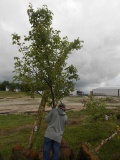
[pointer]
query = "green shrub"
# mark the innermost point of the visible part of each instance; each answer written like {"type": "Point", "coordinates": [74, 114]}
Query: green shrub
{"type": "Point", "coordinates": [95, 109]}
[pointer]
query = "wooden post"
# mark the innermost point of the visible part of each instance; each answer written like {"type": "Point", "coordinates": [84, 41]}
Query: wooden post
{"type": "Point", "coordinates": [38, 120]}
{"type": "Point", "coordinates": [105, 141]}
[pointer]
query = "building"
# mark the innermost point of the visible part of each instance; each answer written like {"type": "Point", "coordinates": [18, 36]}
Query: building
{"type": "Point", "coordinates": [106, 91]}
{"type": "Point", "coordinates": [16, 89]}
{"type": "Point", "coordinates": [7, 88]}
{"type": "Point", "coordinates": [77, 93]}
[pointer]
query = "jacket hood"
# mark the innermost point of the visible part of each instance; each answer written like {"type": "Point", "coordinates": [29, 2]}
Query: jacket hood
{"type": "Point", "coordinates": [61, 112]}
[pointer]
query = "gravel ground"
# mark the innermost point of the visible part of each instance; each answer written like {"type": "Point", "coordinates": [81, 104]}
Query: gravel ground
{"type": "Point", "coordinates": [29, 105]}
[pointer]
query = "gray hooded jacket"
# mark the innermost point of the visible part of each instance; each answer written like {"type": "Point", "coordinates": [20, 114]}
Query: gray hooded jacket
{"type": "Point", "coordinates": [56, 120]}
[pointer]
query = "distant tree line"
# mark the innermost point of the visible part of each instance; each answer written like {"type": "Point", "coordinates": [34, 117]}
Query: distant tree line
{"type": "Point", "coordinates": [12, 86]}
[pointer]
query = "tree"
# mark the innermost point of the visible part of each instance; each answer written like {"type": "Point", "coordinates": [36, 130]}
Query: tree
{"type": "Point", "coordinates": [12, 86]}
{"type": "Point", "coordinates": [3, 85]}
{"type": "Point", "coordinates": [43, 64]}
{"type": "Point", "coordinates": [96, 109]}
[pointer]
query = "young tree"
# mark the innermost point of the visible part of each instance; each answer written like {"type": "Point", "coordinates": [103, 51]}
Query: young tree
{"type": "Point", "coordinates": [43, 64]}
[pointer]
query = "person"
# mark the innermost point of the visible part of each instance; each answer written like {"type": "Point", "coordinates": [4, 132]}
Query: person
{"type": "Point", "coordinates": [56, 120]}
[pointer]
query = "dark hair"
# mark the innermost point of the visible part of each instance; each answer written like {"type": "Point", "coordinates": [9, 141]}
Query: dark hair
{"type": "Point", "coordinates": [61, 105]}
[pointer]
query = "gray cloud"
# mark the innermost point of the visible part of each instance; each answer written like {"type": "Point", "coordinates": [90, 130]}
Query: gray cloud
{"type": "Point", "coordinates": [96, 22]}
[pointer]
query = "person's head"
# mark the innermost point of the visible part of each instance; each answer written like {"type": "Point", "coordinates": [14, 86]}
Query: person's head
{"type": "Point", "coordinates": [62, 106]}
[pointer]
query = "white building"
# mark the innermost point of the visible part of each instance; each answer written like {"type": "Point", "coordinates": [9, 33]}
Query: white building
{"type": "Point", "coordinates": [73, 93]}
{"type": "Point", "coordinates": [16, 90]}
{"type": "Point", "coordinates": [7, 88]}
{"type": "Point", "coordinates": [76, 93]}
{"type": "Point", "coordinates": [107, 91]}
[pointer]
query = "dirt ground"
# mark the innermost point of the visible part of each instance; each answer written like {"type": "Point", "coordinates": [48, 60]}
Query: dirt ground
{"type": "Point", "coordinates": [28, 105]}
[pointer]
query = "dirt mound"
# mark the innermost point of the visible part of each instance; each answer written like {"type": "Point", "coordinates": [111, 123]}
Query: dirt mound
{"type": "Point", "coordinates": [116, 156]}
{"type": "Point", "coordinates": [85, 153]}
{"type": "Point", "coordinates": [66, 153]}
{"type": "Point", "coordinates": [21, 153]}
{"type": "Point", "coordinates": [1, 157]}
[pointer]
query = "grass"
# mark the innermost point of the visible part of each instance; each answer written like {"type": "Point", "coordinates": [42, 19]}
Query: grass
{"type": "Point", "coordinates": [4, 94]}
{"type": "Point", "coordinates": [14, 121]}
{"type": "Point", "coordinates": [92, 134]}
{"type": "Point", "coordinates": [16, 129]}
{"type": "Point", "coordinates": [110, 149]}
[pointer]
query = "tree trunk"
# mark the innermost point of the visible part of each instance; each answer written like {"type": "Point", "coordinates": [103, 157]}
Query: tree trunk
{"type": "Point", "coordinates": [105, 141]}
{"type": "Point", "coordinates": [38, 120]}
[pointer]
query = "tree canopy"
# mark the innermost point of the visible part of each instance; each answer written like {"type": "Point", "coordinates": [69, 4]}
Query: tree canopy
{"type": "Point", "coordinates": [44, 53]}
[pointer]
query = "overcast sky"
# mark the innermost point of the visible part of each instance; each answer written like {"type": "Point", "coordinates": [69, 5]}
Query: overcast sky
{"type": "Point", "coordinates": [96, 22]}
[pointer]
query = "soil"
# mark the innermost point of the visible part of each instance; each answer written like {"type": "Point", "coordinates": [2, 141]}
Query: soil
{"type": "Point", "coordinates": [28, 105]}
